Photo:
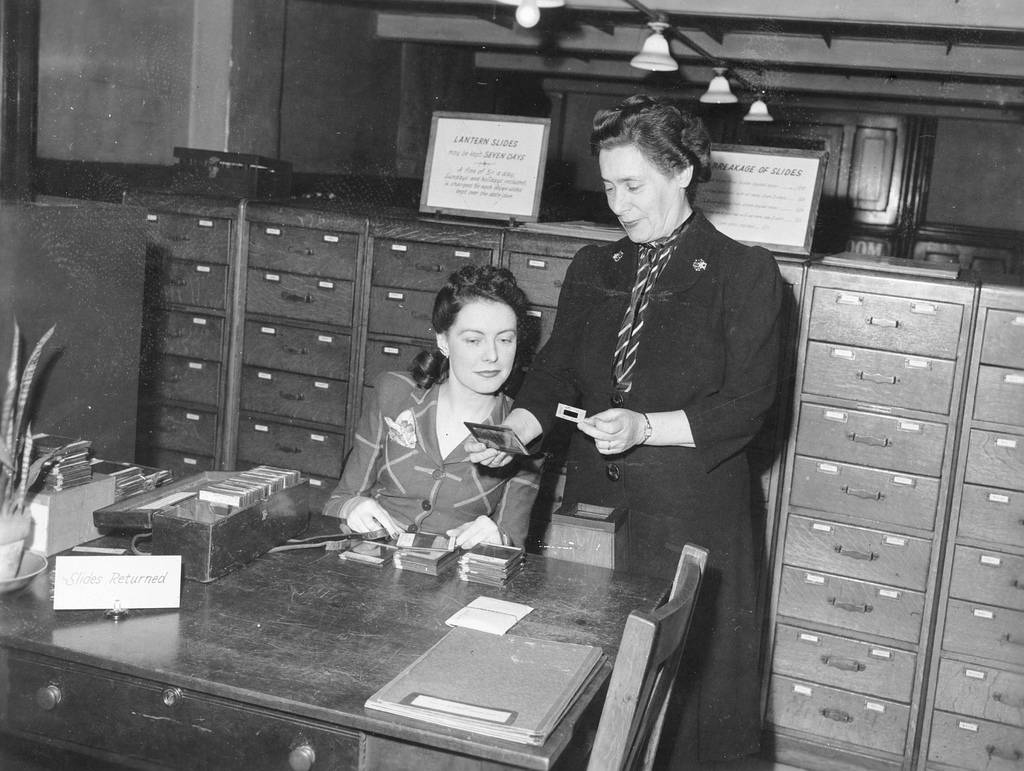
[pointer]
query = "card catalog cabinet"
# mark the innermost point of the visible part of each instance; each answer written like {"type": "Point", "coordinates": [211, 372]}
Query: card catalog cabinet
{"type": "Point", "coordinates": [880, 360]}
{"type": "Point", "coordinates": [303, 269]}
{"type": "Point", "coordinates": [975, 718]}
{"type": "Point", "coordinates": [190, 281]}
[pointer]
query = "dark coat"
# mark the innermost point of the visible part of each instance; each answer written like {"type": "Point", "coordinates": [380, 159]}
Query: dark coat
{"type": "Point", "coordinates": [710, 346]}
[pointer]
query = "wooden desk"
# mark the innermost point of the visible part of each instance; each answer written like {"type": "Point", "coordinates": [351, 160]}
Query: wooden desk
{"type": "Point", "coordinates": [280, 656]}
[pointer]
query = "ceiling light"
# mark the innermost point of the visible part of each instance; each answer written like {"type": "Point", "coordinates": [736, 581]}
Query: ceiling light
{"type": "Point", "coordinates": [758, 112]}
{"type": "Point", "coordinates": [528, 11]}
{"type": "Point", "coordinates": [654, 55]}
{"type": "Point", "coordinates": [718, 89]}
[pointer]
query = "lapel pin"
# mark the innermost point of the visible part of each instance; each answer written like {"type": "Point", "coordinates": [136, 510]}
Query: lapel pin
{"type": "Point", "coordinates": [617, 256]}
{"type": "Point", "coordinates": [699, 264]}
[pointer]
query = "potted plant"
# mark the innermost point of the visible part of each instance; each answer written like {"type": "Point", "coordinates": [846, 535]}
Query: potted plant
{"type": "Point", "coordinates": [18, 471]}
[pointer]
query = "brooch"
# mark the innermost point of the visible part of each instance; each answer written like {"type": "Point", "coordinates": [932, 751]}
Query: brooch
{"type": "Point", "coordinates": [617, 256]}
{"type": "Point", "coordinates": [699, 264]}
{"type": "Point", "coordinates": [402, 429]}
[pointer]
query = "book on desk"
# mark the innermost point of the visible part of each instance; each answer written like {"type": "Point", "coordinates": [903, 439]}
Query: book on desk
{"type": "Point", "coordinates": [502, 686]}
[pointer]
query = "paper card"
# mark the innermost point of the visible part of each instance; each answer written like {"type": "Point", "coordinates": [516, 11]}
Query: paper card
{"type": "Point", "coordinates": [129, 582]}
{"type": "Point", "coordinates": [486, 614]}
{"type": "Point", "coordinates": [572, 414]}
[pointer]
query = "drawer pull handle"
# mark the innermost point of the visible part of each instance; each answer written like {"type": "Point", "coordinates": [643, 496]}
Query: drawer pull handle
{"type": "Point", "coordinates": [294, 297]}
{"type": "Point", "coordinates": [177, 334]}
{"type": "Point", "coordinates": [179, 238]}
{"type": "Point", "coordinates": [1013, 756]}
{"type": "Point", "coordinates": [435, 268]}
{"type": "Point", "coordinates": [290, 450]}
{"type": "Point", "coordinates": [301, 758]}
{"type": "Point", "coordinates": [1008, 638]}
{"type": "Point", "coordinates": [876, 321]}
{"type": "Point", "coordinates": [177, 282]}
{"type": "Point", "coordinates": [173, 379]}
{"type": "Point", "coordinates": [878, 377]}
{"type": "Point", "coordinates": [310, 252]}
{"type": "Point", "coordinates": [292, 397]}
{"type": "Point", "coordinates": [49, 696]}
{"type": "Point", "coordinates": [852, 607]}
{"type": "Point", "coordinates": [1008, 701]}
{"type": "Point", "coordinates": [857, 492]}
{"type": "Point", "coordinates": [847, 665]}
{"type": "Point", "coordinates": [870, 556]}
{"type": "Point", "coordinates": [838, 715]}
{"type": "Point", "coordinates": [171, 696]}
{"type": "Point", "coordinates": [874, 441]}
{"type": "Point", "coordinates": [299, 351]}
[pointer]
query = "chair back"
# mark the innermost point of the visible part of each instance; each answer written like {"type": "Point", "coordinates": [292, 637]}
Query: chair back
{"type": "Point", "coordinates": [645, 669]}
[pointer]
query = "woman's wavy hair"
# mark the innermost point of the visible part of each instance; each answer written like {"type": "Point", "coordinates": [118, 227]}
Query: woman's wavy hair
{"type": "Point", "coordinates": [468, 284]}
{"type": "Point", "coordinates": [670, 137]}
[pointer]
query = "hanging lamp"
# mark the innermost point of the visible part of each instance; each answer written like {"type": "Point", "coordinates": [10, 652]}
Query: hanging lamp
{"type": "Point", "coordinates": [718, 89]}
{"type": "Point", "coordinates": [528, 11]}
{"type": "Point", "coordinates": [758, 111]}
{"type": "Point", "coordinates": [655, 55]}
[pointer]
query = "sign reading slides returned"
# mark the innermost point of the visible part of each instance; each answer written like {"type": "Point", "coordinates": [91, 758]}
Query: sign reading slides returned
{"type": "Point", "coordinates": [487, 166]}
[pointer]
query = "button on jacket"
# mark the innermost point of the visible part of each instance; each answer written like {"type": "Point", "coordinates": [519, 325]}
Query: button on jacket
{"type": "Point", "coordinates": [395, 459]}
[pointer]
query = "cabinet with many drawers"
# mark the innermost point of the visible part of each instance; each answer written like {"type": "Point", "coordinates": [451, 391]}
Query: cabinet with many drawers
{"type": "Point", "coordinates": [975, 718]}
{"type": "Point", "coordinates": [880, 362]}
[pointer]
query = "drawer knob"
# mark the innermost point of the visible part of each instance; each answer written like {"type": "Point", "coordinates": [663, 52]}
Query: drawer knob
{"type": "Point", "coordinates": [846, 665]}
{"type": "Point", "coordinates": [850, 607]}
{"type": "Point", "coordinates": [301, 758]}
{"type": "Point", "coordinates": [49, 697]}
{"type": "Point", "coordinates": [171, 696]}
{"type": "Point", "coordinates": [837, 714]}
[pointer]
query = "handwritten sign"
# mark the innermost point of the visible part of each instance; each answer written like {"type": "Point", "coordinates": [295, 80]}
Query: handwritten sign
{"type": "Point", "coordinates": [765, 196]}
{"type": "Point", "coordinates": [129, 582]}
{"type": "Point", "coordinates": [487, 166]}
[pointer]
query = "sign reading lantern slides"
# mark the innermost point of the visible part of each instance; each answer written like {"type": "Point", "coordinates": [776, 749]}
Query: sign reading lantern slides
{"type": "Point", "coordinates": [485, 165]}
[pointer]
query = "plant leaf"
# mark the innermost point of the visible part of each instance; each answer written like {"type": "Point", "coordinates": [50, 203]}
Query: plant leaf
{"type": "Point", "coordinates": [7, 412]}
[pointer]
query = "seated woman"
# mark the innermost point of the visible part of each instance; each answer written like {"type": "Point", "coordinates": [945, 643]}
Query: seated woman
{"type": "Point", "coordinates": [408, 466]}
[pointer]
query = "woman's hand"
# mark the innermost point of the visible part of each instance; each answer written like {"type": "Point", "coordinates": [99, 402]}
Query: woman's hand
{"type": "Point", "coordinates": [480, 530]}
{"type": "Point", "coordinates": [526, 427]}
{"type": "Point", "coordinates": [368, 515]}
{"type": "Point", "coordinates": [614, 431]}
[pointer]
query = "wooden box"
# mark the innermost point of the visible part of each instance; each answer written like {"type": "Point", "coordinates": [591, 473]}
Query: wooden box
{"type": "Point", "coordinates": [211, 172]}
{"type": "Point", "coordinates": [594, 535]}
{"type": "Point", "coordinates": [63, 518]}
{"type": "Point", "coordinates": [214, 540]}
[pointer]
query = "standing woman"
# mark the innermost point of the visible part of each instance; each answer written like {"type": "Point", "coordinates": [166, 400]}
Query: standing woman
{"type": "Point", "coordinates": [408, 465]}
{"type": "Point", "coordinates": [669, 340]}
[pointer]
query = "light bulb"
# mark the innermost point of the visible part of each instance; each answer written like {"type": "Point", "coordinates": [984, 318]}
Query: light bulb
{"type": "Point", "coordinates": [527, 14]}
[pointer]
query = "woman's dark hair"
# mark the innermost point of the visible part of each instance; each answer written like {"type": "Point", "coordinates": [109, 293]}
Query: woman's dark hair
{"type": "Point", "coordinates": [468, 284]}
{"type": "Point", "coordinates": [669, 137]}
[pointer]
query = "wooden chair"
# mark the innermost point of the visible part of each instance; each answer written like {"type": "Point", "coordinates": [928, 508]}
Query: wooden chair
{"type": "Point", "coordinates": [645, 669]}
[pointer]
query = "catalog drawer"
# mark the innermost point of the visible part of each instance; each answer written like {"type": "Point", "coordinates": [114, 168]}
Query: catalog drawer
{"type": "Point", "coordinates": [967, 742]}
{"type": "Point", "coordinates": [978, 691]}
{"type": "Point", "coordinates": [882, 321]}
{"type": "Point", "coordinates": [187, 334]}
{"type": "Point", "coordinates": [401, 312]}
{"type": "Point", "coordinates": [851, 605]}
{"type": "Point", "coordinates": [1004, 338]}
{"type": "Point", "coordinates": [179, 428]}
{"type": "Point", "coordinates": [869, 439]}
{"type": "Point", "coordinates": [1000, 396]}
{"type": "Point", "coordinates": [180, 463]}
{"type": "Point", "coordinates": [992, 515]}
{"type": "Point", "coordinates": [844, 663]}
{"type": "Point", "coordinates": [308, 298]}
{"type": "Point", "coordinates": [977, 629]}
{"type": "Point", "coordinates": [277, 444]}
{"type": "Point", "coordinates": [421, 265]}
{"type": "Point", "coordinates": [831, 713]}
{"type": "Point", "coordinates": [996, 459]}
{"type": "Point", "coordinates": [390, 356]}
{"type": "Point", "coordinates": [202, 284]}
{"type": "Point", "coordinates": [296, 349]}
{"type": "Point", "coordinates": [320, 489]}
{"type": "Point", "coordinates": [867, 493]}
{"type": "Point", "coordinates": [183, 379]}
{"type": "Point", "coordinates": [537, 325]}
{"type": "Point", "coordinates": [189, 237]}
{"type": "Point", "coordinates": [302, 397]}
{"type": "Point", "coordinates": [301, 250]}
{"type": "Point", "coordinates": [858, 552]}
{"type": "Point", "coordinates": [989, 576]}
{"type": "Point", "coordinates": [148, 720]}
{"type": "Point", "coordinates": [539, 276]}
{"type": "Point", "coordinates": [879, 377]}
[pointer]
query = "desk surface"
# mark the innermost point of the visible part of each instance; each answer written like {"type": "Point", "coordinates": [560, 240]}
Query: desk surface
{"type": "Point", "coordinates": [309, 635]}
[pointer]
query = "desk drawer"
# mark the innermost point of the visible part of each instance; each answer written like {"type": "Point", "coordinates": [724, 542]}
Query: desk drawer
{"type": "Point", "coordinates": [851, 605]}
{"type": "Point", "coordinates": [131, 718]}
{"type": "Point", "coordinates": [421, 265]}
{"type": "Point", "coordinates": [406, 312]}
{"type": "Point", "coordinates": [293, 296]}
{"type": "Point", "coordinates": [831, 713]}
{"type": "Point", "coordinates": [300, 250]}
{"type": "Point", "coordinates": [988, 576]}
{"type": "Point", "coordinates": [187, 334]}
{"type": "Point", "coordinates": [180, 379]}
{"type": "Point", "coordinates": [872, 555]}
{"type": "Point", "coordinates": [869, 439]}
{"type": "Point", "coordinates": [179, 428]}
{"type": "Point", "coordinates": [978, 691]}
{"type": "Point", "coordinates": [992, 514]}
{"type": "Point", "coordinates": [844, 663]}
{"type": "Point", "coordinates": [879, 377]}
{"type": "Point", "coordinates": [294, 396]}
{"type": "Point", "coordinates": [1003, 345]}
{"type": "Point", "coordinates": [966, 742]}
{"type": "Point", "coordinates": [879, 496]}
{"type": "Point", "coordinates": [976, 629]}
{"type": "Point", "coordinates": [189, 237]}
{"type": "Point", "coordinates": [539, 276]}
{"type": "Point", "coordinates": [390, 356]}
{"type": "Point", "coordinates": [995, 459]}
{"type": "Point", "coordinates": [309, 351]}
{"type": "Point", "coordinates": [1000, 396]}
{"type": "Point", "coordinates": [202, 284]}
{"type": "Point", "coordinates": [277, 444]}
{"type": "Point", "coordinates": [881, 321]}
